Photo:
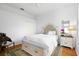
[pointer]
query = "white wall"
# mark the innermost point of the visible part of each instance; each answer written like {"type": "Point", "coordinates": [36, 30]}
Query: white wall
{"type": "Point", "coordinates": [15, 25]}
{"type": "Point", "coordinates": [55, 17]}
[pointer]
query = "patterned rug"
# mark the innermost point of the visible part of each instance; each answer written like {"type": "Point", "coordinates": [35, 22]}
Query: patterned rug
{"type": "Point", "coordinates": [57, 51]}
{"type": "Point", "coordinates": [20, 52]}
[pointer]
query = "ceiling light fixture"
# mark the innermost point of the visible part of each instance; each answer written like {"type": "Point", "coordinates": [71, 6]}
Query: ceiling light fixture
{"type": "Point", "coordinates": [22, 9]}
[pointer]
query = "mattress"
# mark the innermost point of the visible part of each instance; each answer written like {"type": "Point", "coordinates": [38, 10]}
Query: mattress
{"type": "Point", "coordinates": [47, 42]}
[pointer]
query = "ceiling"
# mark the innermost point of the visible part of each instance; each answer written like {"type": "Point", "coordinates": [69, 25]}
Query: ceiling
{"type": "Point", "coordinates": [37, 9]}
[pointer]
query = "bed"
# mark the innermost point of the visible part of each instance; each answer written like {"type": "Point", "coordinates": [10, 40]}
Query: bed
{"type": "Point", "coordinates": [40, 44]}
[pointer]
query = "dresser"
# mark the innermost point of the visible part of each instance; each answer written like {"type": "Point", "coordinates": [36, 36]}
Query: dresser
{"type": "Point", "coordinates": [67, 41]}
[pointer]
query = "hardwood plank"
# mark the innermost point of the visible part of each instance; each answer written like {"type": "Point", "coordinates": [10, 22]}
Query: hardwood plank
{"type": "Point", "coordinates": [68, 52]}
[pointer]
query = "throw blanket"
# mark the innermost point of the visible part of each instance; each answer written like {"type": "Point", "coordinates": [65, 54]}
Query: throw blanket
{"type": "Point", "coordinates": [4, 39]}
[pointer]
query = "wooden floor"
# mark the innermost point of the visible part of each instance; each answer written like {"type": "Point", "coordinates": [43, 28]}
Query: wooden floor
{"type": "Point", "coordinates": [65, 51]}
{"type": "Point", "coordinates": [68, 52]}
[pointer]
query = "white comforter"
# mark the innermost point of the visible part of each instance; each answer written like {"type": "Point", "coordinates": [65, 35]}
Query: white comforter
{"type": "Point", "coordinates": [46, 41]}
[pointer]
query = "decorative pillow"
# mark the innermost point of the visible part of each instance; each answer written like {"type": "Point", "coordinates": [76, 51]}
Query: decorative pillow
{"type": "Point", "coordinates": [52, 33]}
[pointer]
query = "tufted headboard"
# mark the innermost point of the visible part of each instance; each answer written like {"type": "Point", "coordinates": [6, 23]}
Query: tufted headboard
{"type": "Point", "coordinates": [49, 28]}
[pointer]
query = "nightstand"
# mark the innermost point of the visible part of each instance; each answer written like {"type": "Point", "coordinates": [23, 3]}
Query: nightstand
{"type": "Point", "coordinates": [66, 41]}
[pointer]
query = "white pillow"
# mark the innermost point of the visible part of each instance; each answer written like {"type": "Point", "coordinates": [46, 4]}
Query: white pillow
{"type": "Point", "coordinates": [52, 33]}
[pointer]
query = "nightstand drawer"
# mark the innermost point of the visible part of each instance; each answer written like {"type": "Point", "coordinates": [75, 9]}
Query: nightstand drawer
{"type": "Point", "coordinates": [66, 41]}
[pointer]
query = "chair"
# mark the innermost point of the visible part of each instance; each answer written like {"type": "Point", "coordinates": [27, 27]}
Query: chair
{"type": "Point", "coordinates": [8, 45]}
{"type": "Point", "coordinates": [5, 41]}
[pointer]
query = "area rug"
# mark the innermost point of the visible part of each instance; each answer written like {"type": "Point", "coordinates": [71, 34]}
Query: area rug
{"type": "Point", "coordinates": [20, 52]}
{"type": "Point", "coordinates": [57, 51]}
